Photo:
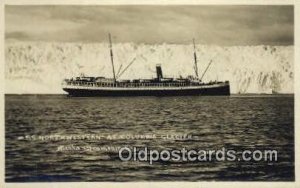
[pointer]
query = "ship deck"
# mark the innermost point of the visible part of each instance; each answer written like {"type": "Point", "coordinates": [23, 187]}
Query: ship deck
{"type": "Point", "coordinates": [111, 85]}
{"type": "Point", "coordinates": [153, 89]}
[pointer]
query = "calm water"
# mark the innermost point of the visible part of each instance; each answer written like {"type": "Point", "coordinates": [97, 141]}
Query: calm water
{"type": "Point", "coordinates": [236, 122]}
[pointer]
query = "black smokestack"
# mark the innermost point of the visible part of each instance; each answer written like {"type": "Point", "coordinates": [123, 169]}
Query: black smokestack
{"type": "Point", "coordinates": [159, 72]}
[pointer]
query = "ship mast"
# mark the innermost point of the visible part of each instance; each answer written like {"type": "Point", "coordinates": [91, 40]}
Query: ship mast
{"type": "Point", "coordinates": [195, 58]}
{"type": "Point", "coordinates": [111, 57]}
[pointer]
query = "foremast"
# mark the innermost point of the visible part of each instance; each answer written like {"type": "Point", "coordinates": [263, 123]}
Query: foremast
{"type": "Point", "coordinates": [111, 57]}
{"type": "Point", "coordinates": [195, 60]}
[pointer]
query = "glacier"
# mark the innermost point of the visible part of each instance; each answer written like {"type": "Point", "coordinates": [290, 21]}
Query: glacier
{"type": "Point", "coordinates": [40, 67]}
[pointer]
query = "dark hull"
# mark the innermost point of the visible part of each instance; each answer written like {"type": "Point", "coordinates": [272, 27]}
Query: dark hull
{"type": "Point", "coordinates": [221, 90]}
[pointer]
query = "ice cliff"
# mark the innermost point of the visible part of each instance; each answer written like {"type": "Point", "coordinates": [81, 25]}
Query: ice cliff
{"type": "Point", "coordinates": [40, 67]}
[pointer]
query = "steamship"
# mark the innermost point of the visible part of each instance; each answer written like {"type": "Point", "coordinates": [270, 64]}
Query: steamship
{"type": "Point", "coordinates": [84, 86]}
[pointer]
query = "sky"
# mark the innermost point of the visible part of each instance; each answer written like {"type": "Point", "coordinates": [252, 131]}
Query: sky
{"type": "Point", "coordinates": [152, 24]}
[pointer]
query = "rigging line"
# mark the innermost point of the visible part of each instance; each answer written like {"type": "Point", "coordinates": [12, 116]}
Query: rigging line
{"type": "Point", "coordinates": [126, 67]}
{"type": "Point", "coordinates": [208, 65]}
{"type": "Point", "coordinates": [119, 70]}
{"type": "Point", "coordinates": [206, 69]}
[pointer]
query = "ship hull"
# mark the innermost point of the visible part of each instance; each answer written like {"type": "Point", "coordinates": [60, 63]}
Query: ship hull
{"type": "Point", "coordinates": [115, 92]}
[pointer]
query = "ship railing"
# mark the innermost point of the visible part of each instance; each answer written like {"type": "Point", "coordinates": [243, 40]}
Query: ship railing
{"type": "Point", "coordinates": [135, 85]}
{"type": "Point", "coordinates": [125, 85]}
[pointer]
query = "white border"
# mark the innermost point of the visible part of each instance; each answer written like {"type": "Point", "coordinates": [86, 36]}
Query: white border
{"type": "Point", "coordinates": [296, 4]}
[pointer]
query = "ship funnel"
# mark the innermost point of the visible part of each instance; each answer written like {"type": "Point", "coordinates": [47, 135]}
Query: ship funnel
{"type": "Point", "coordinates": [159, 72]}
